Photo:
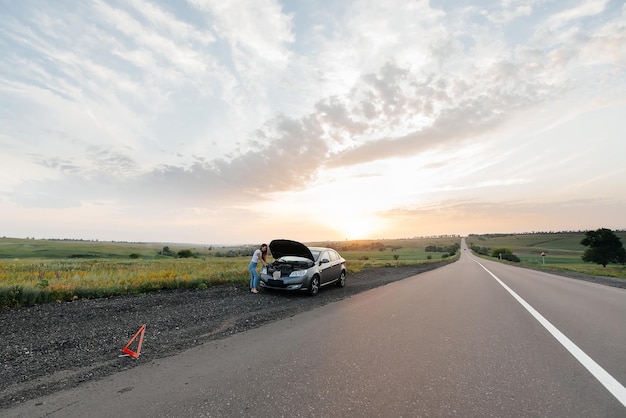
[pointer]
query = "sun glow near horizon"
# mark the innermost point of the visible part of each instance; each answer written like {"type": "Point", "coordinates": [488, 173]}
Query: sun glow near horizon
{"type": "Point", "coordinates": [359, 226]}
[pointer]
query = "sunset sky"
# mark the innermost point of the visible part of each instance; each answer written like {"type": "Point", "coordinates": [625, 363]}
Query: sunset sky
{"type": "Point", "coordinates": [236, 122]}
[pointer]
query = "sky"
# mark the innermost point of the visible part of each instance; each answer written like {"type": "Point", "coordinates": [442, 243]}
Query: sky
{"type": "Point", "coordinates": [236, 122]}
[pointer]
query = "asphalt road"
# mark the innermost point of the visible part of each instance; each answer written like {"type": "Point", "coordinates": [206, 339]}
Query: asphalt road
{"type": "Point", "coordinates": [471, 339]}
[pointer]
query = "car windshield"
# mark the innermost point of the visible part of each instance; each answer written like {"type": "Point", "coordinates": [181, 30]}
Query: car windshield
{"type": "Point", "coordinates": [316, 254]}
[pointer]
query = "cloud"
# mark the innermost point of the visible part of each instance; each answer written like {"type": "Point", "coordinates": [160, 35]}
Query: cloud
{"type": "Point", "coordinates": [395, 112]}
{"type": "Point", "coordinates": [585, 9]}
{"type": "Point", "coordinates": [444, 109]}
{"type": "Point", "coordinates": [183, 106]}
{"type": "Point", "coordinates": [286, 154]}
{"type": "Point", "coordinates": [258, 32]}
{"type": "Point", "coordinates": [511, 13]}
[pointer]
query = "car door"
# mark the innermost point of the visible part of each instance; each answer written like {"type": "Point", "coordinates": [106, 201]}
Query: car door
{"type": "Point", "coordinates": [330, 268]}
{"type": "Point", "coordinates": [325, 267]}
{"type": "Point", "coordinates": [335, 261]}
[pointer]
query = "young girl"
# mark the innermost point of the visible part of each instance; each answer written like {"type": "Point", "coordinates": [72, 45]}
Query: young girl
{"type": "Point", "coordinates": [259, 255]}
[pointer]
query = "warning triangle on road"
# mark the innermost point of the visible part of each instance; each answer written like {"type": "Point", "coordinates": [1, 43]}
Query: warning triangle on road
{"type": "Point", "coordinates": [127, 350]}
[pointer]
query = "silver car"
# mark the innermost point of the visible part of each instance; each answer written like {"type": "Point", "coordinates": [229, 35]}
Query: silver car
{"type": "Point", "coordinates": [298, 267]}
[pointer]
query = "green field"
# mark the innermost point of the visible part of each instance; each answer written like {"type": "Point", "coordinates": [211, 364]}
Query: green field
{"type": "Point", "coordinates": [41, 271]}
{"type": "Point", "coordinates": [31, 248]}
{"type": "Point", "coordinates": [563, 251]}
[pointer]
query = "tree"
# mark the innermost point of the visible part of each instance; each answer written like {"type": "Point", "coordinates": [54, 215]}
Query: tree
{"type": "Point", "coordinates": [604, 247]}
{"type": "Point", "coordinates": [185, 254]}
{"type": "Point", "coordinates": [504, 254]}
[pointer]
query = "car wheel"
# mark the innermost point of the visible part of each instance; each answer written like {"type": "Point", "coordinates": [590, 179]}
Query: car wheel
{"type": "Point", "coordinates": [314, 286]}
{"type": "Point", "coordinates": [342, 279]}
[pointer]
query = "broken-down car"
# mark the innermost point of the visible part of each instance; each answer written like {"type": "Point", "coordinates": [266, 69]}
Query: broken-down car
{"type": "Point", "coordinates": [301, 268]}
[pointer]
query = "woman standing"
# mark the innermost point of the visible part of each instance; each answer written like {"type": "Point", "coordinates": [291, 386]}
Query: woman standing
{"type": "Point", "coordinates": [260, 255]}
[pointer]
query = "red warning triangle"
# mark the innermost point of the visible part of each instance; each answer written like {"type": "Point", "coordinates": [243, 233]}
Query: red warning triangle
{"type": "Point", "coordinates": [127, 350]}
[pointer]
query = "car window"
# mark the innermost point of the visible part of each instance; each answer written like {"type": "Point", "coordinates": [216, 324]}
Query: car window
{"type": "Point", "coordinates": [324, 256]}
{"type": "Point", "coordinates": [333, 255]}
{"type": "Point", "coordinates": [316, 254]}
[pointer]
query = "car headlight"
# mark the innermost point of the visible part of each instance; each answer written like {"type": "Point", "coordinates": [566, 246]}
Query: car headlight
{"type": "Point", "coordinates": [297, 273]}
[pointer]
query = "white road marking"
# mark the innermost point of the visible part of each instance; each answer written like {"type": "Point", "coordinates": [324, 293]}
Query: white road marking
{"type": "Point", "coordinates": [594, 368]}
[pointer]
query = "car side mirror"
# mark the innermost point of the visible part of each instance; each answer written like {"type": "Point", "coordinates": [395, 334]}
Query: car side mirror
{"type": "Point", "coordinates": [324, 261]}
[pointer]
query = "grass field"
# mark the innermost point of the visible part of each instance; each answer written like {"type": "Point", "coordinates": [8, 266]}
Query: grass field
{"type": "Point", "coordinates": [41, 271]}
{"type": "Point", "coordinates": [31, 248]}
{"type": "Point", "coordinates": [563, 251]}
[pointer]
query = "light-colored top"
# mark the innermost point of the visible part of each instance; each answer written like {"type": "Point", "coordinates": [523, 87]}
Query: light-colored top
{"type": "Point", "coordinates": [258, 255]}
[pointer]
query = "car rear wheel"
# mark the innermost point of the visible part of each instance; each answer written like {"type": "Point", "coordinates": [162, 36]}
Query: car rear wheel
{"type": "Point", "coordinates": [342, 280]}
{"type": "Point", "coordinates": [314, 286]}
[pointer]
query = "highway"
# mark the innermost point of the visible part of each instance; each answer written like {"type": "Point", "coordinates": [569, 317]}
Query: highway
{"type": "Point", "coordinates": [475, 338]}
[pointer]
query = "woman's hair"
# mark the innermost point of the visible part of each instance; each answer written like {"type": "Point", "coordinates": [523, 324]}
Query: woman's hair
{"type": "Point", "coordinates": [263, 253]}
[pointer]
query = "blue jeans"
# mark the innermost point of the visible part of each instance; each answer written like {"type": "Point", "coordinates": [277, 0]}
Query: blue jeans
{"type": "Point", "coordinates": [254, 276]}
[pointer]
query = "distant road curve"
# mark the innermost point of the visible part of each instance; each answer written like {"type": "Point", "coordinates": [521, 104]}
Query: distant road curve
{"type": "Point", "coordinates": [469, 339]}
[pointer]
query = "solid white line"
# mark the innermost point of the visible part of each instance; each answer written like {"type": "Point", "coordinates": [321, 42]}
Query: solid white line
{"type": "Point", "coordinates": [594, 368]}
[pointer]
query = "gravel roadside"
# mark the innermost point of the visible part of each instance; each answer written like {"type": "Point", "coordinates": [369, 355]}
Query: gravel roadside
{"type": "Point", "coordinates": [53, 347]}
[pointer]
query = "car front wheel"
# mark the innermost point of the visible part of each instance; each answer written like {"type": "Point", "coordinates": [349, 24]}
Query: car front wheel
{"type": "Point", "coordinates": [314, 286]}
{"type": "Point", "coordinates": [342, 280]}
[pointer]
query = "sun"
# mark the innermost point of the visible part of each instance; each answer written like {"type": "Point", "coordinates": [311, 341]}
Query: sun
{"type": "Point", "coordinates": [358, 226]}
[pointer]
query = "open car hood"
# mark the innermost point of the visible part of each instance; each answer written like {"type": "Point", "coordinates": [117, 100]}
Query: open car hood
{"type": "Point", "coordinates": [282, 247]}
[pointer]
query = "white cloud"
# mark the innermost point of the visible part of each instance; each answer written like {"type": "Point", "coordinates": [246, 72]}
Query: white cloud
{"type": "Point", "coordinates": [585, 9]}
{"type": "Point", "coordinates": [233, 106]}
{"type": "Point", "coordinates": [511, 10]}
